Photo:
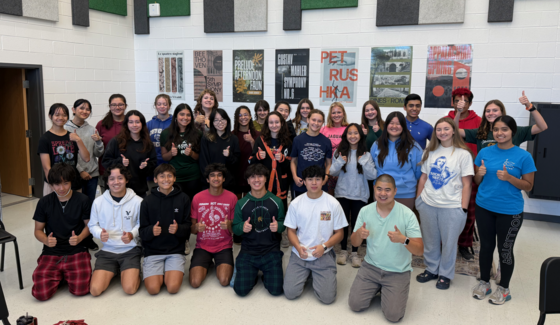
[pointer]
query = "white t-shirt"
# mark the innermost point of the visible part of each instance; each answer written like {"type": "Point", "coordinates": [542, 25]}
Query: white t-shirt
{"type": "Point", "coordinates": [445, 168]}
{"type": "Point", "coordinates": [315, 220]}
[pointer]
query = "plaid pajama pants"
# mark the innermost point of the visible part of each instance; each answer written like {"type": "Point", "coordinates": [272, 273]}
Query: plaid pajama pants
{"type": "Point", "coordinates": [466, 237]}
{"type": "Point", "coordinates": [248, 267]}
{"type": "Point", "coordinates": [75, 269]}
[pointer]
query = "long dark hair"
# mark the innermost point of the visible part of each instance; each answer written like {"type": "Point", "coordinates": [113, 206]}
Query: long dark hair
{"type": "Point", "coordinates": [283, 134]}
{"type": "Point", "coordinates": [124, 134]}
{"type": "Point", "coordinates": [212, 135]}
{"type": "Point", "coordinates": [297, 119]}
{"type": "Point", "coordinates": [192, 134]}
{"type": "Point", "coordinates": [344, 146]}
{"type": "Point", "coordinates": [485, 126]}
{"type": "Point", "coordinates": [107, 121]}
{"type": "Point", "coordinates": [403, 145]}
{"type": "Point", "coordinates": [509, 121]}
{"type": "Point", "coordinates": [237, 125]}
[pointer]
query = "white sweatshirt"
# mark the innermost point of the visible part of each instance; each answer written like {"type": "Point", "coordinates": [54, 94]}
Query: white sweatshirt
{"type": "Point", "coordinates": [116, 218]}
{"type": "Point", "coordinates": [352, 185]}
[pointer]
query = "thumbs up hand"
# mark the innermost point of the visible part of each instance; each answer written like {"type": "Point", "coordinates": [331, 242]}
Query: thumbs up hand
{"type": "Point", "coordinates": [482, 169]}
{"type": "Point", "coordinates": [188, 150]}
{"type": "Point", "coordinates": [125, 161]}
{"type": "Point", "coordinates": [173, 227]}
{"type": "Point", "coordinates": [345, 159]}
{"type": "Point", "coordinates": [525, 101]}
{"type": "Point", "coordinates": [247, 227]}
{"type": "Point", "coordinates": [274, 225]}
{"type": "Point", "coordinates": [396, 236]}
{"type": "Point", "coordinates": [126, 237]}
{"type": "Point", "coordinates": [248, 138]}
{"type": "Point", "coordinates": [144, 164]}
{"type": "Point", "coordinates": [226, 151]}
{"type": "Point", "coordinates": [461, 105]}
{"type": "Point", "coordinates": [157, 229]}
{"type": "Point", "coordinates": [364, 129]}
{"type": "Point", "coordinates": [173, 150]}
{"type": "Point", "coordinates": [503, 174]}
{"type": "Point", "coordinates": [262, 153]}
{"type": "Point", "coordinates": [200, 227]}
{"type": "Point", "coordinates": [74, 239]}
{"type": "Point", "coordinates": [104, 235]}
{"type": "Point", "coordinates": [51, 240]}
{"type": "Point", "coordinates": [95, 136]}
{"type": "Point", "coordinates": [75, 137]}
{"type": "Point", "coordinates": [363, 232]}
{"type": "Point", "coordinates": [224, 224]}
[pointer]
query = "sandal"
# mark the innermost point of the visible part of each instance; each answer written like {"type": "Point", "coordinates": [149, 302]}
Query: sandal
{"type": "Point", "coordinates": [426, 276]}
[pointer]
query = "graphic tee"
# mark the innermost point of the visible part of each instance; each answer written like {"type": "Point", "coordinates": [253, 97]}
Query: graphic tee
{"type": "Point", "coordinates": [212, 210]}
{"type": "Point", "coordinates": [302, 128]}
{"type": "Point", "coordinates": [333, 134]}
{"type": "Point", "coordinates": [315, 220]}
{"type": "Point", "coordinates": [60, 150]}
{"type": "Point", "coordinates": [186, 167]}
{"type": "Point", "coordinates": [310, 151]}
{"type": "Point", "coordinates": [445, 168]}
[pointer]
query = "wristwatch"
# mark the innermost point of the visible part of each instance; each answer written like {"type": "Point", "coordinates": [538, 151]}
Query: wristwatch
{"type": "Point", "coordinates": [406, 241]}
{"type": "Point", "coordinates": [324, 246]}
{"type": "Point", "coordinates": [532, 108]}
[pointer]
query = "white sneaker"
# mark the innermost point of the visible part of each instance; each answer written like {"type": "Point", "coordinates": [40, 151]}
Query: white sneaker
{"type": "Point", "coordinates": [187, 248]}
{"type": "Point", "coordinates": [342, 257]}
{"type": "Point", "coordinates": [500, 296]}
{"type": "Point", "coordinates": [356, 260]}
{"type": "Point", "coordinates": [481, 290]}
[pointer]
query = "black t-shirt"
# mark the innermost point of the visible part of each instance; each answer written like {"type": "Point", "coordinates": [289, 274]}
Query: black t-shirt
{"type": "Point", "coordinates": [61, 149]}
{"type": "Point", "coordinates": [61, 224]}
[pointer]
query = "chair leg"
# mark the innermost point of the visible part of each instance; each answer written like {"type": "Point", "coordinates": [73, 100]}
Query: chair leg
{"type": "Point", "coordinates": [18, 265]}
{"type": "Point", "coordinates": [2, 262]}
{"type": "Point", "coordinates": [541, 319]}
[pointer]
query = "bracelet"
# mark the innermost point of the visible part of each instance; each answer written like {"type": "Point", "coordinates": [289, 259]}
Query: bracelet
{"type": "Point", "coordinates": [533, 108]}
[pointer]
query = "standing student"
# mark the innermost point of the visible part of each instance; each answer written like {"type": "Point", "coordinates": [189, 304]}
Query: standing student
{"type": "Point", "coordinates": [420, 130]}
{"type": "Point", "coordinates": [442, 199]}
{"type": "Point", "coordinates": [206, 104]}
{"type": "Point", "coordinates": [336, 124]}
{"type": "Point", "coordinates": [246, 134]}
{"type": "Point", "coordinates": [284, 108]}
{"type": "Point", "coordinates": [61, 220]}
{"type": "Point", "coordinates": [212, 212]}
{"type": "Point", "coordinates": [300, 122]}
{"type": "Point", "coordinates": [58, 145]}
{"type": "Point", "coordinates": [309, 149]}
{"type": "Point", "coordinates": [262, 108]}
{"type": "Point", "coordinates": [219, 145]}
{"type": "Point", "coordinates": [354, 167]}
{"type": "Point", "coordinates": [159, 122]}
{"type": "Point", "coordinates": [133, 148]}
{"type": "Point", "coordinates": [165, 225]}
{"type": "Point", "coordinates": [259, 220]}
{"type": "Point", "coordinates": [115, 220]}
{"type": "Point", "coordinates": [109, 127]}
{"type": "Point", "coordinates": [89, 171]}
{"type": "Point", "coordinates": [372, 122]}
{"type": "Point", "coordinates": [502, 172]}
{"type": "Point", "coordinates": [393, 235]}
{"type": "Point", "coordinates": [315, 224]}
{"type": "Point", "coordinates": [397, 154]}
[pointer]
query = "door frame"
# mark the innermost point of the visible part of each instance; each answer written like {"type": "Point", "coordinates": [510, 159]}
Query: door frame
{"type": "Point", "coordinates": [35, 119]}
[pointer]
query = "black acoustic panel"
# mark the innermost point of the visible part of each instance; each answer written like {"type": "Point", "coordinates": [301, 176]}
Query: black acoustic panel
{"type": "Point", "coordinates": [11, 7]}
{"type": "Point", "coordinates": [218, 16]}
{"type": "Point", "coordinates": [397, 12]}
{"type": "Point", "coordinates": [141, 19]}
{"type": "Point", "coordinates": [500, 11]}
{"type": "Point", "coordinates": [292, 14]}
{"type": "Point", "coordinates": [80, 13]}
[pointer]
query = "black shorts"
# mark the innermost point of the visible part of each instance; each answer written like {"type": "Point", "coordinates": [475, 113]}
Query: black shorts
{"type": "Point", "coordinates": [204, 258]}
{"type": "Point", "coordinates": [118, 262]}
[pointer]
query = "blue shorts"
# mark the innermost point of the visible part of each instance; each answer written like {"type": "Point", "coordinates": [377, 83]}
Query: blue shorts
{"type": "Point", "coordinates": [159, 264]}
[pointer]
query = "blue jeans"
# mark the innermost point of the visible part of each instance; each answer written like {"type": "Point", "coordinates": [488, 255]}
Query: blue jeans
{"type": "Point", "coordinates": [90, 187]}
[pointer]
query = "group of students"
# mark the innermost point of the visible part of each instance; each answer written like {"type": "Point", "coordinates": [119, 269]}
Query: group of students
{"type": "Point", "coordinates": [352, 182]}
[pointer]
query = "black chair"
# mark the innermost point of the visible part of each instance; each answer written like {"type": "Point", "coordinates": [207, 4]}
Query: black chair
{"type": "Point", "coordinates": [6, 237]}
{"type": "Point", "coordinates": [3, 308]}
{"type": "Point", "coordinates": [549, 293]}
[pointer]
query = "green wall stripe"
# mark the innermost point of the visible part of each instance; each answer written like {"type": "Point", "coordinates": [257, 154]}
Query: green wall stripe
{"type": "Point", "coordinates": [117, 7]}
{"type": "Point", "coordinates": [170, 8]}
{"type": "Point", "coordinates": [325, 4]}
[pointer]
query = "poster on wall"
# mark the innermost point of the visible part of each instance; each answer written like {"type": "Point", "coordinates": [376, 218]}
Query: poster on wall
{"type": "Point", "coordinates": [170, 74]}
{"type": "Point", "coordinates": [449, 67]}
{"type": "Point", "coordinates": [292, 75]}
{"type": "Point", "coordinates": [208, 73]}
{"type": "Point", "coordinates": [339, 76]}
{"type": "Point", "coordinates": [248, 68]}
{"type": "Point", "coordinates": [390, 75]}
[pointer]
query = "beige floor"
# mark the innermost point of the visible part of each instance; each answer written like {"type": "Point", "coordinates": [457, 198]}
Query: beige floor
{"type": "Point", "coordinates": [213, 304]}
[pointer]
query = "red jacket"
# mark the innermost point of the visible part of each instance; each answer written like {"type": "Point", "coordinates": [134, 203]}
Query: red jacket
{"type": "Point", "coordinates": [471, 122]}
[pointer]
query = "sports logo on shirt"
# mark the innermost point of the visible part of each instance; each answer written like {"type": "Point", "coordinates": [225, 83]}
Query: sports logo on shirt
{"type": "Point", "coordinates": [325, 215]}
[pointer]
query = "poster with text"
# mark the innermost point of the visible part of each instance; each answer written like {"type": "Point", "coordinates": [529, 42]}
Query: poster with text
{"type": "Point", "coordinates": [208, 73]}
{"type": "Point", "coordinates": [292, 75]}
{"type": "Point", "coordinates": [390, 75]}
{"type": "Point", "coordinates": [339, 76]}
{"type": "Point", "coordinates": [170, 74]}
{"type": "Point", "coordinates": [248, 71]}
{"type": "Point", "coordinates": [449, 68]}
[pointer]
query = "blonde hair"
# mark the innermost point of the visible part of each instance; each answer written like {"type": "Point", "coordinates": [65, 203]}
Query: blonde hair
{"type": "Point", "coordinates": [330, 122]}
{"type": "Point", "coordinates": [434, 143]}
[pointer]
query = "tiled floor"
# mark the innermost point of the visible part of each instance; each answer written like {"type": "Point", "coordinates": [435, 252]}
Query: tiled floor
{"type": "Point", "coordinates": [213, 304]}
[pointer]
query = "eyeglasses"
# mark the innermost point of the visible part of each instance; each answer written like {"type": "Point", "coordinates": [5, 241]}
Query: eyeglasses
{"type": "Point", "coordinates": [117, 105]}
{"type": "Point", "coordinates": [244, 115]}
{"type": "Point", "coordinates": [456, 101]}
{"type": "Point", "coordinates": [219, 121]}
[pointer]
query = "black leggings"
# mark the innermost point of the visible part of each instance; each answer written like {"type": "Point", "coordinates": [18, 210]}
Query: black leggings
{"type": "Point", "coordinates": [506, 227]}
{"type": "Point", "coordinates": [191, 188]}
{"type": "Point", "coordinates": [351, 209]}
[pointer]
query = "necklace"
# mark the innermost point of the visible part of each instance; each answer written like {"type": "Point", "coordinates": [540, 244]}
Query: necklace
{"type": "Point", "coordinates": [63, 206]}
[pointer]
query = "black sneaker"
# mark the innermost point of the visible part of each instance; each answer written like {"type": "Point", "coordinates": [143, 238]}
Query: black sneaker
{"type": "Point", "coordinates": [464, 251]}
{"type": "Point", "coordinates": [426, 276]}
{"type": "Point", "coordinates": [443, 283]}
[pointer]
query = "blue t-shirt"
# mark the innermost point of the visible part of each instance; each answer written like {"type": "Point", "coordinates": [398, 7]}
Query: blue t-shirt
{"type": "Point", "coordinates": [501, 196]}
{"type": "Point", "coordinates": [420, 131]}
{"type": "Point", "coordinates": [310, 151]}
{"type": "Point", "coordinates": [156, 126]}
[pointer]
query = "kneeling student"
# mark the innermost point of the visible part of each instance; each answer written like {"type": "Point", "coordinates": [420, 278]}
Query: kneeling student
{"type": "Point", "coordinates": [259, 220]}
{"type": "Point", "coordinates": [165, 225]}
{"type": "Point", "coordinates": [61, 219]}
{"type": "Point", "coordinates": [212, 212]}
{"type": "Point", "coordinates": [115, 219]}
{"type": "Point", "coordinates": [393, 235]}
{"type": "Point", "coordinates": [312, 219]}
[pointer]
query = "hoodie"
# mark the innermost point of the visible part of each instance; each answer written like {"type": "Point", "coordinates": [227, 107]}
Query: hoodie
{"type": "Point", "coordinates": [158, 207]}
{"type": "Point", "coordinates": [116, 218]}
{"type": "Point", "coordinates": [471, 122]}
{"type": "Point", "coordinates": [156, 126]}
{"type": "Point", "coordinates": [95, 148]}
{"type": "Point", "coordinates": [351, 185]}
{"type": "Point", "coordinates": [260, 240]}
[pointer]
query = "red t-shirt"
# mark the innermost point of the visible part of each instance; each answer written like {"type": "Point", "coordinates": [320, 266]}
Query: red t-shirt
{"type": "Point", "coordinates": [107, 135]}
{"type": "Point", "coordinates": [211, 210]}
